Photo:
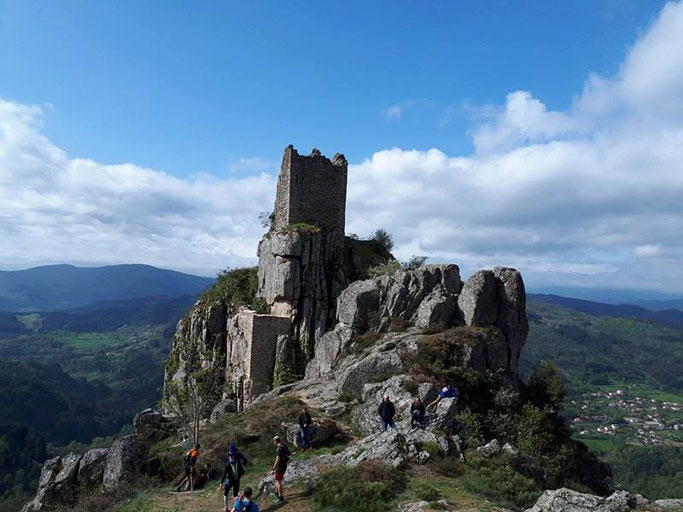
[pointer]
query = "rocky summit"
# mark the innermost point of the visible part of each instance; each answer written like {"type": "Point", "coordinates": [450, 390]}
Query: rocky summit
{"type": "Point", "coordinates": [336, 323]}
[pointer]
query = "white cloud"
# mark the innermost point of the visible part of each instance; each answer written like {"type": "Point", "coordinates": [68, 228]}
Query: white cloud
{"type": "Point", "coordinates": [57, 209]}
{"type": "Point", "coordinates": [590, 195]}
{"type": "Point", "coordinates": [395, 112]}
{"type": "Point", "coordinates": [595, 190]}
{"type": "Point", "coordinates": [647, 250]}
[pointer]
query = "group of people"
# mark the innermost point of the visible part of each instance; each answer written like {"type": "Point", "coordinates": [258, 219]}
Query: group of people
{"type": "Point", "coordinates": [234, 469]}
{"type": "Point", "coordinates": [235, 463]}
{"type": "Point", "coordinates": [386, 409]}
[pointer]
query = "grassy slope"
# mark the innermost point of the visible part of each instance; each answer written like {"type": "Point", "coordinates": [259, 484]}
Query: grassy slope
{"type": "Point", "coordinates": [252, 430]}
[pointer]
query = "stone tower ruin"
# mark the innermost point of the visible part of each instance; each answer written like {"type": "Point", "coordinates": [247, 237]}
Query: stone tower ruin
{"type": "Point", "coordinates": [311, 190]}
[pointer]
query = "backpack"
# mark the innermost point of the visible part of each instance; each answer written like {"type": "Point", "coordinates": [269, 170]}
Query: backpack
{"type": "Point", "coordinates": [286, 454]}
{"type": "Point", "coordinates": [187, 458]}
{"type": "Point", "coordinates": [243, 507]}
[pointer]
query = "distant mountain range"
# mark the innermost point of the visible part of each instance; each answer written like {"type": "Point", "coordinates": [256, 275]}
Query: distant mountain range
{"type": "Point", "coordinates": [59, 287]}
{"type": "Point", "coordinates": [647, 299]}
{"type": "Point", "coordinates": [99, 316]}
{"type": "Point", "coordinates": [672, 317]}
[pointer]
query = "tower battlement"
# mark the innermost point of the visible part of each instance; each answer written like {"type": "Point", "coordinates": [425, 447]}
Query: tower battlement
{"type": "Point", "coordinates": [311, 189]}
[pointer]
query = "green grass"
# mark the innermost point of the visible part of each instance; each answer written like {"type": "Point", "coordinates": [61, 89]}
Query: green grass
{"type": "Point", "coordinates": [303, 227]}
{"type": "Point", "coordinates": [32, 321]}
{"type": "Point", "coordinates": [604, 445]}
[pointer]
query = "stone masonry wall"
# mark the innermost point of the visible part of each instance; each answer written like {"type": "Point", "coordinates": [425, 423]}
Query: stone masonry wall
{"type": "Point", "coordinates": [251, 348]}
{"type": "Point", "coordinates": [312, 190]}
{"type": "Point", "coordinates": [265, 332]}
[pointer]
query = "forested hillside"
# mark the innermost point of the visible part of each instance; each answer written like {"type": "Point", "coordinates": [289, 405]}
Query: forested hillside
{"type": "Point", "coordinates": [597, 350]}
{"type": "Point", "coordinates": [620, 373]}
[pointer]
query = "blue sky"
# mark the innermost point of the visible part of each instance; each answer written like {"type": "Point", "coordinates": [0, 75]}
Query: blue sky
{"type": "Point", "coordinates": [189, 87]}
{"type": "Point", "coordinates": [547, 136]}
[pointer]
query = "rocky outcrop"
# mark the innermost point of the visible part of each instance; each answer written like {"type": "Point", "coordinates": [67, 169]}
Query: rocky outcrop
{"type": "Point", "coordinates": [125, 460]}
{"type": "Point", "coordinates": [477, 301]}
{"type": "Point", "coordinates": [567, 500]}
{"type": "Point", "coordinates": [225, 406]}
{"type": "Point", "coordinates": [402, 293]}
{"type": "Point", "coordinates": [439, 308]}
{"type": "Point", "coordinates": [57, 483]}
{"type": "Point", "coordinates": [669, 505]}
{"type": "Point", "coordinates": [490, 449]}
{"type": "Point", "coordinates": [151, 426]}
{"type": "Point", "coordinates": [356, 303]}
{"type": "Point", "coordinates": [320, 433]}
{"type": "Point", "coordinates": [91, 469]}
{"type": "Point", "coordinates": [497, 298]}
{"type": "Point", "coordinates": [373, 367]}
{"type": "Point", "coordinates": [512, 319]}
{"type": "Point", "coordinates": [199, 342]}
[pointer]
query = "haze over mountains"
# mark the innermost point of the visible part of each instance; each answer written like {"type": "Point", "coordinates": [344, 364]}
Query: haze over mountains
{"type": "Point", "coordinates": [57, 287]}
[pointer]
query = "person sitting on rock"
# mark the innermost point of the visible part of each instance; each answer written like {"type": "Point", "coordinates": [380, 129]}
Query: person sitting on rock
{"type": "Point", "coordinates": [232, 474]}
{"type": "Point", "coordinates": [244, 503]}
{"type": "Point", "coordinates": [210, 471]}
{"type": "Point", "coordinates": [448, 391]}
{"type": "Point", "coordinates": [190, 461]}
{"type": "Point", "coordinates": [305, 428]}
{"type": "Point", "coordinates": [417, 413]}
{"type": "Point", "coordinates": [386, 411]}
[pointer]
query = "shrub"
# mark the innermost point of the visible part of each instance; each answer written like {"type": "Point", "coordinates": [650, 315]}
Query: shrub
{"type": "Point", "coordinates": [500, 483]}
{"type": "Point", "coordinates": [434, 328]}
{"type": "Point", "coordinates": [364, 341]}
{"type": "Point", "coordinates": [411, 386]}
{"type": "Point", "coordinates": [414, 262]}
{"type": "Point", "coordinates": [237, 287]}
{"type": "Point", "coordinates": [546, 388]}
{"type": "Point", "coordinates": [426, 491]}
{"type": "Point", "coordinates": [398, 325]}
{"type": "Point", "coordinates": [347, 397]}
{"type": "Point", "coordinates": [372, 484]}
{"type": "Point", "coordinates": [384, 238]}
{"type": "Point", "coordinates": [472, 430]}
{"type": "Point", "coordinates": [337, 449]}
{"type": "Point", "coordinates": [303, 227]}
{"type": "Point", "coordinates": [501, 425]}
{"type": "Point", "coordinates": [389, 268]}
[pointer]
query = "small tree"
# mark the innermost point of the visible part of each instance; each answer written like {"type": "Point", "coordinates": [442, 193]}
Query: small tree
{"type": "Point", "coordinates": [190, 400]}
{"type": "Point", "coordinates": [384, 238]}
{"type": "Point", "coordinates": [414, 262]}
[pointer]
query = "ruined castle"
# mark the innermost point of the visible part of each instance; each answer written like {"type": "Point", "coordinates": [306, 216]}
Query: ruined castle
{"type": "Point", "coordinates": [318, 295]}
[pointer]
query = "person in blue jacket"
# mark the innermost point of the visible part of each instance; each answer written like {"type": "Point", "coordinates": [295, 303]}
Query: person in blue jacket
{"type": "Point", "coordinates": [232, 474]}
{"type": "Point", "coordinates": [448, 391]}
{"type": "Point", "coordinates": [244, 503]}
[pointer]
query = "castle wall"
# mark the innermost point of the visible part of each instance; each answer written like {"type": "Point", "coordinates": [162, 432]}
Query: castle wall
{"type": "Point", "coordinates": [312, 190]}
{"type": "Point", "coordinates": [251, 353]}
{"type": "Point", "coordinates": [265, 332]}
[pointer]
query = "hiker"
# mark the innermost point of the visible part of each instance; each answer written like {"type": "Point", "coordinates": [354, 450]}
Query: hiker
{"type": "Point", "coordinates": [244, 503]}
{"type": "Point", "coordinates": [417, 413]}
{"type": "Point", "coordinates": [448, 391]}
{"type": "Point", "coordinates": [305, 427]}
{"type": "Point", "coordinates": [232, 474]}
{"type": "Point", "coordinates": [210, 472]}
{"type": "Point", "coordinates": [190, 461]}
{"type": "Point", "coordinates": [386, 411]}
{"type": "Point", "coordinates": [282, 457]}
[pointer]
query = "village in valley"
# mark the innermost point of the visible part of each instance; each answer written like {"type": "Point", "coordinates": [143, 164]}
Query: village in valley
{"type": "Point", "coordinates": [637, 414]}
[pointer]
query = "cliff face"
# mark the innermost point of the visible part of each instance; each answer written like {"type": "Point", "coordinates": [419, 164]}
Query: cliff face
{"type": "Point", "coordinates": [316, 297]}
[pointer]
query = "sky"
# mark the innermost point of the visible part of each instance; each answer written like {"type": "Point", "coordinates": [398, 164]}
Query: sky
{"type": "Point", "coordinates": [547, 136]}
